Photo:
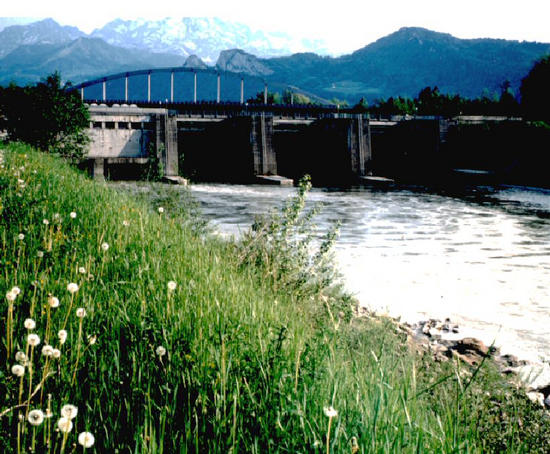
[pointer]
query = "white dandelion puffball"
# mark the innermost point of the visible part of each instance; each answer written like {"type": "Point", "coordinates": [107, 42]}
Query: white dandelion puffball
{"type": "Point", "coordinates": [20, 357]}
{"type": "Point", "coordinates": [161, 210]}
{"type": "Point", "coordinates": [82, 270]}
{"type": "Point", "coordinates": [10, 296]}
{"type": "Point", "coordinates": [47, 350]}
{"type": "Point", "coordinates": [81, 312]}
{"type": "Point", "coordinates": [35, 417]}
{"type": "Point", "coordinates": [105, 246]}
{"type": "Point", "coordinates": [125, 223]}
{"type": "Point", "coordinates": [69, 411]}
{"type": "Point", "coordinates": [21, 236]}
{"type": "Point", "coordinates": [16, 291]}
{"type": "Point", "coordinates": [64, 425]}
{"type": "Point", "coordinates": [29, 323]}
{"type": "Point", "coordinates": [40, 254]}
{"type": "Point", "coordinates": [172, 285]}
{"type": "Point", "coordinates": [45, 221]}
{"type": "Point", "coordinates": [33, 340]}
{"type": "Point", "coordinates": [62, 335]}
{"type": "Point", "coordinates": [92, 339]}
{"type": "Point", "coordinates": [72, 215]}
{"type": "Point", "coordinates": [18, 370]}
{"type": "Point", "coordinates": [86, 439]}
{"type": "Point", "coordinates": [72, 287]}
{"type": "Point", "coordinates": [161, 351]}
{"type": "Point", "coordinates": [330, 412]}
{"type": "Point", "coordinates": [56, 353]}
{"type": "Point", "coordinates": [53, 301]}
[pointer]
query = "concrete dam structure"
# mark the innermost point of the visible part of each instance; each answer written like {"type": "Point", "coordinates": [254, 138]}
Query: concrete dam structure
{"type": "Point", "coordinates": [211, 142]}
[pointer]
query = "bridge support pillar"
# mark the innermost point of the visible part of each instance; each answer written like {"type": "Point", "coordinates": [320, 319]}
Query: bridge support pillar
{"type": "Point", "coordinates": [359, 145]}
{"type": "Point", "coordinates": [97, 168]}
{"type": "Point", "coordinates": [166, 143]}
{"type": "Point", "coordinates": [261, 141]}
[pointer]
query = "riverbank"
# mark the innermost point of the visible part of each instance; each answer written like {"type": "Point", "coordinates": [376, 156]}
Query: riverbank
{"type": "Point", "coordinates": [191, 351]}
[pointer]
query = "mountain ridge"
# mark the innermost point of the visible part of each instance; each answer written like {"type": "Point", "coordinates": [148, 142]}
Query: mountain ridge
{"type": "Point", "coordinates": [399, 64]}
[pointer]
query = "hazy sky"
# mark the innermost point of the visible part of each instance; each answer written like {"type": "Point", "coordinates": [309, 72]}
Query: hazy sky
{"type": "Point", "coordinates": [345, 25]}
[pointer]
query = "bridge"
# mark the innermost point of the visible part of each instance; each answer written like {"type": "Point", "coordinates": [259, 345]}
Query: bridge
{"type": "Point", "coordinates": [153, 116]}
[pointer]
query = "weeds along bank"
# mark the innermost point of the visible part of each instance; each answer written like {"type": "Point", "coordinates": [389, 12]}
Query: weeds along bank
{"type": "Point", "coordinates": [126, 328]}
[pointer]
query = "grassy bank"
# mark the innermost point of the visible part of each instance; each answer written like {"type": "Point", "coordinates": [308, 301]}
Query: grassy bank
{"type": "Point", "coordinates": [184, 349]}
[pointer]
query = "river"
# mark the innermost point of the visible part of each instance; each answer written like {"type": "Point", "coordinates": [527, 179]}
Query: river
{"type": "Point", "coordinates": [480, 258]}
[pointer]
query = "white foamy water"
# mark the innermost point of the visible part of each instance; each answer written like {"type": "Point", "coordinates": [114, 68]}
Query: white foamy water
{"type": "Point", "coordinates": [481, 258]}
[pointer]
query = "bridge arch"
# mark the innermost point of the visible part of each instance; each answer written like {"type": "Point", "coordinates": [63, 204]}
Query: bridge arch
{"type": "Point", "coordinates": [176, 84]}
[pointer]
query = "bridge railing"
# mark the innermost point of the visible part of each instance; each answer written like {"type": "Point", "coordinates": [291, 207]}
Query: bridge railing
{"type": "Point", "coordinates": [232, 109]}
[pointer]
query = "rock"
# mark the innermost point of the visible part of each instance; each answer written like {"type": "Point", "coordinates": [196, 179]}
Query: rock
{"type": "Point", "coordinates": [471, 350]}
{"type": "Point", "coordinates": [535, 376]}
{"type": "Point", "coordinates": [537, 398]}
{"type": "Point", "coordinates": [547, 400]}
{"type": "Point", "coordinates": [434, 333]}
{"type": "Point", "coordinates": [511, 361]}
{"type": "Point", "coordinates": [470, 344]}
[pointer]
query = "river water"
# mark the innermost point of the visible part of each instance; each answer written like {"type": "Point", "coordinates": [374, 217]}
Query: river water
{"type": "Point", "coordinates": [481, 258]}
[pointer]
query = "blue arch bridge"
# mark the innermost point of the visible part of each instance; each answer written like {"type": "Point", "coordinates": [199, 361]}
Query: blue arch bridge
{"type": "Point", "coordinates": [198, 123]}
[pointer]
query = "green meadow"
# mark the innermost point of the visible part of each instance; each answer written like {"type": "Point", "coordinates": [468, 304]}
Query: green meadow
{"type": "Point", "coordinates": [126, 327]}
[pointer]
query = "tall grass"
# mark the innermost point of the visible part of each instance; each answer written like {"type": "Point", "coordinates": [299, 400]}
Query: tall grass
{"type": "Point", "coordinates": [186, 347]}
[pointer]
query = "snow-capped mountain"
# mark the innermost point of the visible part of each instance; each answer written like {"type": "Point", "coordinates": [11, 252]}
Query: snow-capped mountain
{"type": "Point", "coordinates": [46, 31]}
{"type": "Point", "coordinates": [203, 36]}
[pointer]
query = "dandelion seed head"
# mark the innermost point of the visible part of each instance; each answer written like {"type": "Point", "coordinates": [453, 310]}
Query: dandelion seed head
{"type": "Point", "coordinates": [21, 236]}
{"type": "Point", "coordinates": [330, 412]}
{"type": "Point", "coordinates": [160, 210]}
{"type": "Point", "coordinates": [10, 296]}
{"type": "Point", "coordinates": [86, 439]}
{"type": "Point", "coordinates": [69, 411]}
{"type": "Point", "coordinates": [53, 301]}
{"type": "Point", "coordinates": [20, 357]}
{"type": "Point", "coordinates": [56, 353]}
{"type": "Point", "coordinates": [35, 417]}
{"type": "Point", "coordinates": [47, 350]}
{"type": "Point", "coordinates": [72, 287]}
{"type": "Point", "coordinates": [92, 339]}
{"type": "Point", "coordinates": [64, 425]}
{"type": "Point", "coordinates": [82, 270]}
{"type": "Point", "coordinates": [105, 246]}
{"type": "Point", "coordinates": [62, 335]}
{"type": "Point", "coordinates": [81, 312]}
{"type": "Point", "coordinates": [29, 323]}
{"type": "Point", "coordinates": [33, 340]}
{"type": "Point", "coordinates": [172, 285]}
{"type": "Point", "coordinates": [18, 370]}
{"type": "Point", "coordinates": [40, 254]}
{"type": "Point", "coordinates": [16, 290]}
{"type": "Point", "coordinates": [72, 215]}
{"type": "Point", "coordinates": [45, 221]}
{"type": "Point", "coordinates": [125, 223]}
{"type": "Point", "coordinates": [161, 351]}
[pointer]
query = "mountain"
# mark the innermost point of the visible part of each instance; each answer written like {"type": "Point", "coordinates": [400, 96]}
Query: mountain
{"type": "Point", "coordinates": [203, 36]}
{"type": "Point", "coordinates": [8, 21]}
{"type": "Point", "coordinates": [239, 61]}
{"type": "Point", "coordinates": [408, 60]}
{"type": "Point", "coordinates": [194, 62]}
{"type": "Point", "coordinates": [89, 57]}
{"type": "Point", "coordinates": [46, 31]}
{"type": "Point", "coordinates": [401, 63]}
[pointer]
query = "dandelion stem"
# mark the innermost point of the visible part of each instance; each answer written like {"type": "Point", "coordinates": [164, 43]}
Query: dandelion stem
{"type": "Point", "coordinates": [328, 434]}
{"type": "Point", "coordinates": [79, 341]}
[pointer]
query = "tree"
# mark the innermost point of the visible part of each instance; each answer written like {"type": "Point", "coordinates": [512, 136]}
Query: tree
{"type": "Point", "coordinates": [48, 115]}
{"type": "Point", "coordinates": [535, 91]}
